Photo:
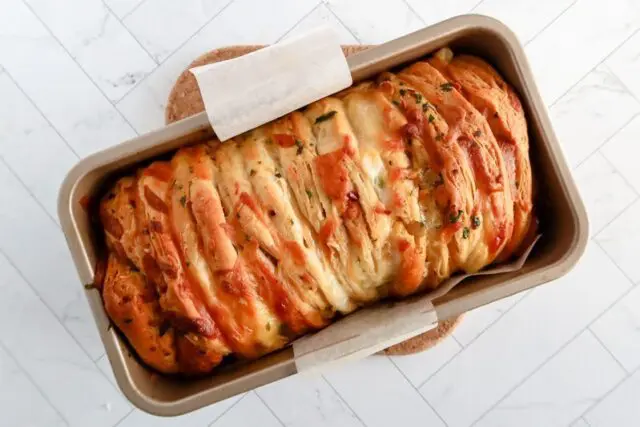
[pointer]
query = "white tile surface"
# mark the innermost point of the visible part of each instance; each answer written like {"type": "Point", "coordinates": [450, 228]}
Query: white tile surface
{"type": "Point", "coordinates": [524, 339]}
{"type": "Point", "coordinates": [420, 366]}
{"type": "Point", "coordinates": [122, 8]}
{"type": "Point", "coordinates": [595, 178]}
{"type": "Point", "coordinates": [202, 417]}
{"type": "Point", "coordinates": [249, 411]}
{"type": "Point", "coordinates": [57, 365]}
{"type": "Point", "coordinates": [29, 145]}
{"type": "Point", "coordinates": [163, 25]}
{"type": "Point", "coordinates": [376, 22]}
{"type": "Point", "coordinates": [620, 241]}
{"type": "Point", "coordinates": [432, 12]}
{"type": "Point", "coordinates": [569, 48]}
{"type": "Point", "coordinates": [581, 122]}
{"type": "Point", "coordinates": [27, 233]}
{"type": "Point", "coordinates": [94, 36]}
{"type": "Point", "coordinates": [56, 83]}
{"type": "Point", "coordinates": [76, 72]}
{"type": "Point", "coordinates": [622, 150]}
{"type": "Point", "coordinates": [581, 373]}
{"type": "Point", "coordinates": [389, 398]}
{"type": "Point", "coordinates": [526, 19]}
{"type": "Point", "coordinates": [307, 400]}
{"type": "Point", "coordinates": [18, 397]}
{"type": "Point", "coordinates": [322, 16]}
{"type": "Point", "coordinates": [625, 62]}
{"type": "Point", "coordinates": [477, 321]}
{"type": "Point", "coordinates": [620, 408]}
{"type": "Point", "coordinates": [619, 330]}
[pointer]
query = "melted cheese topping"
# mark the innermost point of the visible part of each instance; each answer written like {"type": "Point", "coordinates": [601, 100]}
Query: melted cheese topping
{"type": "Point", "coordinates": [387, 188]}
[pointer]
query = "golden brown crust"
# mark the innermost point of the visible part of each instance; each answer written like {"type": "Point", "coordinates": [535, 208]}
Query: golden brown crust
{"type": "Point", "coordinates": [384, 189]}
{"type": "Point", "coordinates": [132, 304]}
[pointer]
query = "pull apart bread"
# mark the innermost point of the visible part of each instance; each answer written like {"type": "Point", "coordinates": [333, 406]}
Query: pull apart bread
{"type": "Point", "coordinates": [384, 189]}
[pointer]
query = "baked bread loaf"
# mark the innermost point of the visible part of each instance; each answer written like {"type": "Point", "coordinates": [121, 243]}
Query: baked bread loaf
{"type": "Point", "coordinates": [384, 189]}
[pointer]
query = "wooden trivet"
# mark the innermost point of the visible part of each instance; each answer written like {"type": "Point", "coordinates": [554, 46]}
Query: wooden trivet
{"type": "Point", "coordinates": [185, 101]}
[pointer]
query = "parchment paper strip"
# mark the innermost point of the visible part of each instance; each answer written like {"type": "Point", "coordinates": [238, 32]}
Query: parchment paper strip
{"type": "Point", "coordinates": [372, 329]}
{"type": "Point", "coordinates": [243, 93]}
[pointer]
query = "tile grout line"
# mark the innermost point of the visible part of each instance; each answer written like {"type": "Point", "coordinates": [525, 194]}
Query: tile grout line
{"type": "Point", "coordinates": [416, 14]}
{"type": "Point", "coordinates": [604, 396]}
{"type": "Point", "coordinates": [528, 376]}
{"type": "Point", "coordinates": [473, 340]}
{"type": "Point", "coordinates": [626, 181]}
{"type": "Point", "coordinates": [124, 417]}
{"type": "Point", "coordinates": [140, 3]}
{"type": "Point", "coordinates": [548, 24]}
{"type": "Point", "coordinates": [35, 106]}
{"type": "Point", "coordinates": [341, 22]}
{"type": "Point", "coordinates": [585, 421]}
{"type": "Point", "coordinates": [269, 409]}
{"type": "Point", "coordinates": [418, 391]}
{"type": "Point", "coordinates": [48, 307]}
{"type": "Point", "coordinates": [121, 21]}
{"type": "Point", "coordinates": [608, 350]}
{"type": "Point", "coordinates": [343, 400]}
{"type": "Point", "coordinates": [594, 238]}
{"type": "Point", "coordinates": [571, 339]}
{"type": "Point", "coordinates": [174, 51]}
{"type": "Point", "coordinates": [28, 190]}
{"type": "Point", "coordinates": [54, 37]}
{"type": "Point", "coordinates": [622, 83]}
{"type": "Point", "coordinates": [33, 382]}
{"type": "Point", "coordinates": [226, 410]}
{"type": "Point", "coordinates": [614, 50]}
{"type": "Point", "coordinates": [313, 9]}
{"type": "Point", "coordinates": [472, 10]}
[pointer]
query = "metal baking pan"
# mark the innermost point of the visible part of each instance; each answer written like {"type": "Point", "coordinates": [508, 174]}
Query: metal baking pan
{"type": "Point", "coordinates": [565, 227]}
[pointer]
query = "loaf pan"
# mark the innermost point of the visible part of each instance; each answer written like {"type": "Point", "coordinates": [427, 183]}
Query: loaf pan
{"type": "Point", "coordinates": [563, 218]}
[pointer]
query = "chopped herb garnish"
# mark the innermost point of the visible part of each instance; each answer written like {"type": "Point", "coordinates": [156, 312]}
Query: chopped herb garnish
{"type": "Point", "coordinates": [422, 224]}
{"type": "Point", "coordinates": [252, 172]}
{"type": "Point", "coordinates": [439, 136]}
{"type": "Point", "coordinates": [291, 221]}
{"type": "Point", "coordinates": [90, 286]}
{"type": "Point", "coordinates": [431, 118]}
{"type": "Point", "coordinates": [447, 87]}
{"type": "Point", "coordinates": [395, 102]}
{"type": "Point", "coordinates": [453, 218]}
{"type": "Point", "coordinates": [403, 92]}
{"type": "Point", "coordinates": [325, 116]}
{"type": "Point", "coordinates": [300, 146]}
{"type": "Point", "coordinates": [309, 193]}
{"type": "Point", "coordinates": [477, 133]}
{"type": "Point", "coordinates": [425, 107]}
{"type": "Point", "coordinates": [380, 182]}
{"type": "Point", "coordinates": [278, 175]}
{"type": "Point", "coordinates": [475, 221]}
{"type": "Point", "coordinates": [183, 201]}
{"type": "Point", "coordinates": [418, 97]}
{"type": "Point", "coordinates": [268, 326]}
{"type": "Point", "coordinates": [465, 233]}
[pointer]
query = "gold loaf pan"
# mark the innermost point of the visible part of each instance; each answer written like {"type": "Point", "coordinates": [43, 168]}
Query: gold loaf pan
{"type": "Point", "coordinates": [562, 214]}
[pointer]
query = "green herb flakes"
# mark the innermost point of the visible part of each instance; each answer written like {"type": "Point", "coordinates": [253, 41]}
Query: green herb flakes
{"type": "Point", "coordinates": [465, 233]}
{"type": "Point", "coordinates": [453, 218]}
{"type": "Point", "coordinates": [325, 116]}
{"type": "Point", "coordinates": [475, 221]}
{"type": "Point", "coordinates": [446, 87]}
{"type": "Point", "coordinates": [309, 193]}
{"type": "Point", "coordinates": [403, 92]}
{"type": "Point", "coordinates": [418, 97]}
{"type": "Point", "coordinates": [431, 118]}
{"type": "Point", "coordinates": [183, 201]}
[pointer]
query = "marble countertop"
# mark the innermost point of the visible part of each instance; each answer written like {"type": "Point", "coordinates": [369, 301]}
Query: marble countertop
{"type": "Point", "coordinates": [80, 75]}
